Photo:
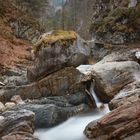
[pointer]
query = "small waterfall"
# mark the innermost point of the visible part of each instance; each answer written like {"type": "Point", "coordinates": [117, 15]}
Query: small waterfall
{"type": "Point", "coordinates": [86, 69]}
{"type": "Point", "coordinates": [92, 92]}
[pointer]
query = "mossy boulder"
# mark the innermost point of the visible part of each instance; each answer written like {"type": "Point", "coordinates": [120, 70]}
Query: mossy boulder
{"type": "Point", "coordinates": [56, 36]}
{"type": "Point", "coordinates": [56, 50]}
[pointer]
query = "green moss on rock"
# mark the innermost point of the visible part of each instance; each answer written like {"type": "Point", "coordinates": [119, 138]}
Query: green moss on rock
{"type": "Point", "coordinates": [57, 36]}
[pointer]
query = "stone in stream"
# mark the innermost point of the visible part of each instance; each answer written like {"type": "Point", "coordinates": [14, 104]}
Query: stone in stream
{"type": "Point", "coordinates": [17, 125]}
{"type": "Point", "coordinates": [49, 115]}
{"type": "Point", "coordinates": [56, 50]}
{"type": "Point", "coordinates": [122, 123]}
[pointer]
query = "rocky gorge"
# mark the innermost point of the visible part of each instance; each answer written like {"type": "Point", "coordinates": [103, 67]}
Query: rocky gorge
{"type": "Point", "coordinates": [63, 79]}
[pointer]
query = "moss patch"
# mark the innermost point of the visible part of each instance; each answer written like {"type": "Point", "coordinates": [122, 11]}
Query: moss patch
{"type": "Point", "coordinates": [121, 19]}
{"type": "Point", "coordinates": [57, 36]}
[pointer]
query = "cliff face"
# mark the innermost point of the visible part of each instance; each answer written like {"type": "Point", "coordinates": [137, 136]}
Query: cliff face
{"type": "Point", "coordinates": [116, 21]}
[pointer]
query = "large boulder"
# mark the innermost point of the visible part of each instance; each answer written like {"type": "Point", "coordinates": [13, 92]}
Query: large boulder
{"type": "Point", "coordinates": [121, 124]}
{"type": "Point", "coordinates": [56, 50]}
{"type": "Point", "coordinates": [64, 82]}
{"type": "Point", "coordinates": [111, 77]}
{"type": "Point", "coordinates": [17, 125]}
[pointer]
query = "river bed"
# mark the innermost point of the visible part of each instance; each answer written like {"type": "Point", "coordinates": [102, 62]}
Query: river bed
{"type": "Point", "coordinates": [73, 128]}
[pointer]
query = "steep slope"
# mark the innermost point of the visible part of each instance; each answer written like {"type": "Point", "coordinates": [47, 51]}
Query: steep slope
{"type": "Point", "coordinates": [116, 21]}
{"type": "Point", "coordinates": [18, 26]}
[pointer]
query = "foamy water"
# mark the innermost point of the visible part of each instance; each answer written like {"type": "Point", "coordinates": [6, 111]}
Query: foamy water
{"type": "Point", "coordinates": [73, 128]}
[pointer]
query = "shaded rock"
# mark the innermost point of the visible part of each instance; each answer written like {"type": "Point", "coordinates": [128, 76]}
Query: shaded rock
{"type": "Point", "coordinates": [56, 50]}
{"type": "Point", "coordinates": [63, 82]}
{"type": "Point", "coordinates": [119, 56]}
{"type": "Point", "coordinates": [49, 115]}
{"type": "Point", "coordinates": [110, 53]}
{"type": "Point", "coordinates": [64, 101]}
{"type": "Point", "coordinates": [14, 77]}
{"type": "Point", "coordinates": [80, 98]}
{"type": "Point", "coordinates": [128, 95]}
{"type": "Point", "coordinates": [111, 77]}
{"type": "Point", "coordinates": [17, 125]}
{"type": "Point", "coordinates": [122, 123]}
{"type": "Point", "coordinates": [56, 100]}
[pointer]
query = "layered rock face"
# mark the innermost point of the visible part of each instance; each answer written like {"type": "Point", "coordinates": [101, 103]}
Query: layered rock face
{"type": "Point", "coordinates": [55, 51]}
{"type": "Point", "coordinates": [63, 82]}
{"type": "Point", "coordinates": [129, 94]}
{"type": "Point", "coordinates": [117, 21]}
{"type": "Point", "coordinates": [122, 123]}
{"type": "Point", "coordinates": [17, 125]}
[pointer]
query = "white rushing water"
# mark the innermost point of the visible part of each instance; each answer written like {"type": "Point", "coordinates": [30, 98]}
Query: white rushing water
{"type": "Point", "coordinates": [97, 101]}
{"type": "Point", "coordinates": [73, 128]}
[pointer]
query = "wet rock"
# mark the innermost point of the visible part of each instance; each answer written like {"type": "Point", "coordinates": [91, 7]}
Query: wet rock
{"type": "Point", "coordinates": [17, 125]}
{"type": "Point", "coordinates": [122, 123]}
{"type": "Point", "coordinates": [56, 50]}
{"type": "Point", "coordinates": [111, 77]}
{"type": "Point", "coordinates": [63, 82]}
{"type": "Point", "coordinates": [49, 115]}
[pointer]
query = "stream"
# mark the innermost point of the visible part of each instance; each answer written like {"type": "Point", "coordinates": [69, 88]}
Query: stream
{"type": "Point", "coordinates": [73, 128]}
